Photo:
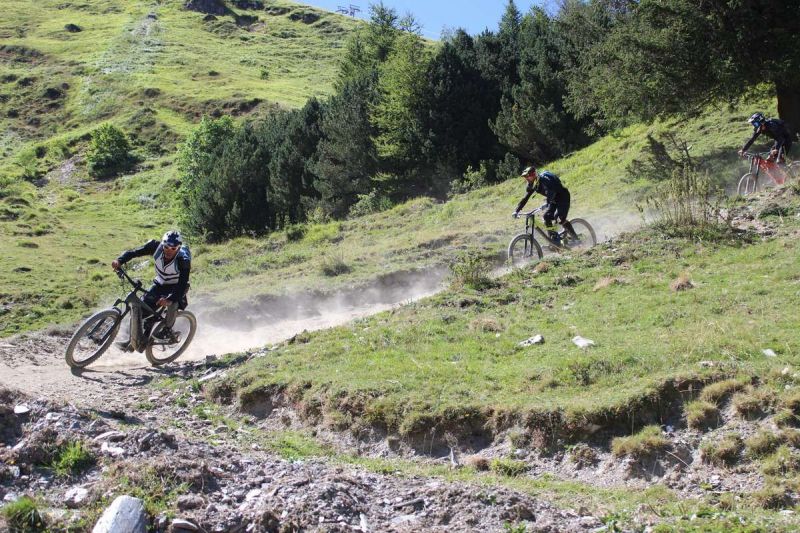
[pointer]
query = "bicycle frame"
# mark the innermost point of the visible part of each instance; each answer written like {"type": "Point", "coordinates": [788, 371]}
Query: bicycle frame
{"type": "Point", "coordinates": [530, 226]}
{"type": "Point", "coordinates": [759, 161]}
{"type": "Point", "coordinates": [134, 305]}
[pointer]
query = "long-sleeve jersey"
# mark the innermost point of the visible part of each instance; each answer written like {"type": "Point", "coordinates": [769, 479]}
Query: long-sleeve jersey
{"type": "Point", "coordinates": [549, 186]}
{"type": "Point", "coordinates": [168, 273]}
{"type": "Point", "coordinates": [775, 129]}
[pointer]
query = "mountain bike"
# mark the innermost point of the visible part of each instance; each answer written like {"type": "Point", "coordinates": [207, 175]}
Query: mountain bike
{"type": "Point", "coordinates": [525, 247]}
{"type": "Point", "coordinates": [159, 343]}
{"type": "Point", "coordinates": [778, 172]}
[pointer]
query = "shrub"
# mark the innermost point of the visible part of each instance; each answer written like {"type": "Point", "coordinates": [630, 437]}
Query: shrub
{"type": "Point", "coordinates": [109, 152]}
{"type": "Point", "coordinates": [722, 452]}
{"type": "Point", "coordinates": [508, 467]}
{"type": "Point", "coordinates": [295, 232]}
{"type": "Point", "coordinates": [334, 265]}
{"type": "Point", "coordinates": [701, 415]}
{"type": "Point", "coordinates": [471, 270]}
{"type": "Point", "coordinates": [23, 516]}
{"type": "Point", "coordinates": [473, 178]}
{"type": "Point", "coordinates": [72, 459]}
{"type": "Point", "coordinates": [646, 443]}
{"type": "Point", "coordinates": [686, 205]}
{"type": "Point", "coordinates": [373, 202]}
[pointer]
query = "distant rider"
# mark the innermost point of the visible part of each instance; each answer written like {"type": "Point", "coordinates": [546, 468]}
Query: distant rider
{"type": "Point", "coordinates": [173, 263]}
{"type": "Point", "coordinates": [557, 208]}
{"type": "Point", "coordinates": [774, 128]}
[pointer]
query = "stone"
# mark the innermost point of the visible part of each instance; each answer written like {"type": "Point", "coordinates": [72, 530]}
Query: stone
{"type": "Point", "coordinates": [536, 339]}
{"type": "Point", "coordinates": [580, 342]}
{"type": "Point", "coordinates": [73, 28]}
{"type": "Point", "coordinates": [22, 409]}
{"type": "Point", "coordinates": [124, 515]}
{"type": "Point", "coordinates": [179, 525]}
{"type": "Point", "coordinates": [769, 353]}
{"type": "Point", "coordinates": [190, 501]}
{"type": "Point", "coordinates": [110, 436]}
{"type": "Point", "coordinates": [76, 497]}
{"type": "Point", "coordinates": [113, 451]}
{"type": "Point", "coordinates": [212, 7]}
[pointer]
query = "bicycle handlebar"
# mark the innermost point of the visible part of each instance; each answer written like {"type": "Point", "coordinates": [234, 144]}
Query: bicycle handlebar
{"type": "Point", "coordinates": [137, 284]}
{"type": "Point", "coordinates": [533, 212]}
{"type": "Point", "coordinates": [762, 155]}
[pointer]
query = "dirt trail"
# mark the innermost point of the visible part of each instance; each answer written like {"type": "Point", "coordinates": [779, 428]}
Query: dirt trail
{"type": "Point", "coordinates": [33, 363]}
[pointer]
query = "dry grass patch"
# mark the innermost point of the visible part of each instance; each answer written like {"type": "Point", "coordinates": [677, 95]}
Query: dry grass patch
{"type": "Point", "coordinates": [791, 437]}
{"type": "Point", "coordinates": [723, 452]}
{"type": "Point", "coordinates": [486, 325]}
{"type": "Point", "coordinates": [762, 443]}
{"type": "Point", "coordinates": [772, 496]}
{"type": "Point", "coordinates": [542, 267]}
{"type": "Point", "coordinates": [792, 402]}
{"type": "Point", "coordinates": [717, 392]}
{"type": "Point", "coordinates": [479, 463]}
{"type": "Point", "coordinates": [753, 404]}
{"type": "Point", "coordinates": [701, 415]}
{"type": "Point", "coordinates": [583, 455]}
{"type": "Point", "coordinates": [508, 467]}
{"type": "Point", "coordinates": [682, 283]}
{"type": "Point", "coordinates": [604, 283]}
{"type": "Point", "coordinates": [782, 462]}
{"type": "Point", "coordinates": [786, 419]}
{"type": "Point", "coordinates": [646, 443]}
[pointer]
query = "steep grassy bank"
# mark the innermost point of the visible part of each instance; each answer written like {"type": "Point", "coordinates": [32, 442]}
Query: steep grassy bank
{"type": "Point", "coordinates": [665, 314]}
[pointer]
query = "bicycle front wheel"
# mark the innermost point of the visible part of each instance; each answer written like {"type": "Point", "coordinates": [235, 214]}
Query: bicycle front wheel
{"type": "Point", "coordinates": [93, 338]}
{"type": "Point", "coordinates": [524, 248]}
{"type": "Point", "coordinates": [585, 232]}
{"type": "Point", "coordinates": [747, 185]}
{"type": "Point", "coordinates": [159, 350]}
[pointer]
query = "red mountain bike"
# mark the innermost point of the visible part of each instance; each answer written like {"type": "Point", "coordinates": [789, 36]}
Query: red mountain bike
{"type": "Point", "coordinates": [761, 162]}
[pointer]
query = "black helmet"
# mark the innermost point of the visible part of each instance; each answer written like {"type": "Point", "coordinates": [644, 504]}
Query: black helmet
{"type": "Point", "coordinates": [172, 238]}
{"type": "Point", "coordinates": [756, 119]}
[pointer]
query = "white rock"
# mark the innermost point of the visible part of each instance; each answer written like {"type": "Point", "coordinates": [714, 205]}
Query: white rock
{"type": "Point", "coordinates": [111, 436]}
{"type": "Point", "coordinates": [252, 495]}
{"type": "Point", "coordinates": [182, 525]}
{"type": "Point", "coordinates": [536, 339]}
{"type": "Point", "coordinates": [769, 353]}
{"type": "Point", "coordinates": [124, 515]}
{"type": "Point", "coordinates": [580, 342]}
{"type": "Point", "coordinates": [75, 497]}
{"type": "Point", "coordinates": [706, 364]}
{"type": "Point", "coordinates": [113, 451]}
{"type": "Point", "coordinates": [363, 522]}
{"type": "Point", "coordinates": [22, 409]}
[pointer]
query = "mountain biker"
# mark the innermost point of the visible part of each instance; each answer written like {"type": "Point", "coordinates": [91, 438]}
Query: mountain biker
{"type": "Point", "coordinates": [173, 263]}
{"type": "Point", "coordinates": [773, 128]}
{"type": "Point", "coordinates": [548, 185]}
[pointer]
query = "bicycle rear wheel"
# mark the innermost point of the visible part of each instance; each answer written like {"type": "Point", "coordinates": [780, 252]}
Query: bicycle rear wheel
{"type": "Point", "coordinates": [586, 236]}
{"type": "Point", "coordinates": [524, 248]}
{"type": "Point", "coordinates": [161, 351]}
{"type": "Point", "coordinates": [747, 185]}
{"type": "Point", "coordinates": [93, 338]}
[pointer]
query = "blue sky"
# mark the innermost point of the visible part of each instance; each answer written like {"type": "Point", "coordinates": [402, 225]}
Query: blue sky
{"type": "Point", "coordinates": [434, 15]}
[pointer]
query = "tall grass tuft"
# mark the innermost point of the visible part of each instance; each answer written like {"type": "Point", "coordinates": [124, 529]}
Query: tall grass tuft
{"type": "Point", "coordinates": [470, 270]}
{"type": "Point", "coordinates": [687, 205]}
{"type": "Point", "coordinates": [23, 516]}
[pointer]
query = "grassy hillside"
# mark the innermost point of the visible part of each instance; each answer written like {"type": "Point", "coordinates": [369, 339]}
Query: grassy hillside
{"type": "Point", "coordinates": [77, 225]}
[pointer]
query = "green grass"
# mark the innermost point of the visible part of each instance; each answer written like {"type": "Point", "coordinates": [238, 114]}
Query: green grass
{"type": "Point", "coordinates": [23, 516]}
{"type": "Point", "coordinates": [428, 363]}
{"type": "Point", "coordinates": [72, 459]}
{"type": "Point", "coordinates": [646, 443]}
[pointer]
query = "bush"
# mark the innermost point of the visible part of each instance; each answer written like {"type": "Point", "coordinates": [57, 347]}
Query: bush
{"type": "Point", "coordinates": [373, 202]}
{"type": "Point", "coordinates": [473, 178]}
{"type": "Point", "coordinates": [687, 205]}
{"type": "Point", "coordinates": [334, 265]}
{"type": "Point", "coordinates": [295, 232]}
{"type": "Point", "coordinates": [23, 516]}
{"type": "Point", "coordinates": [109, 152]}
{"type": "Point", "coordinates": [470, 270]}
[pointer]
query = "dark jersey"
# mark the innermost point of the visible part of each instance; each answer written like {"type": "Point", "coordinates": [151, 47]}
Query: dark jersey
{"type": "Point", "coordinates": [549, 186]}
{"type": "Point", "coordinates": [174, 273]}
{"type": "Point", "coordinates": [775, 129]}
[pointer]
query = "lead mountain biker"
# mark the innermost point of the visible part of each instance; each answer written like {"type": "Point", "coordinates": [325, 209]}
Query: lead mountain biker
{"type": "Point", "coordinates": [173, 263]}
{"type": "Point", "coordinates": [548, 185]}
{"type": "Point", "coordinates": [773, 128]}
